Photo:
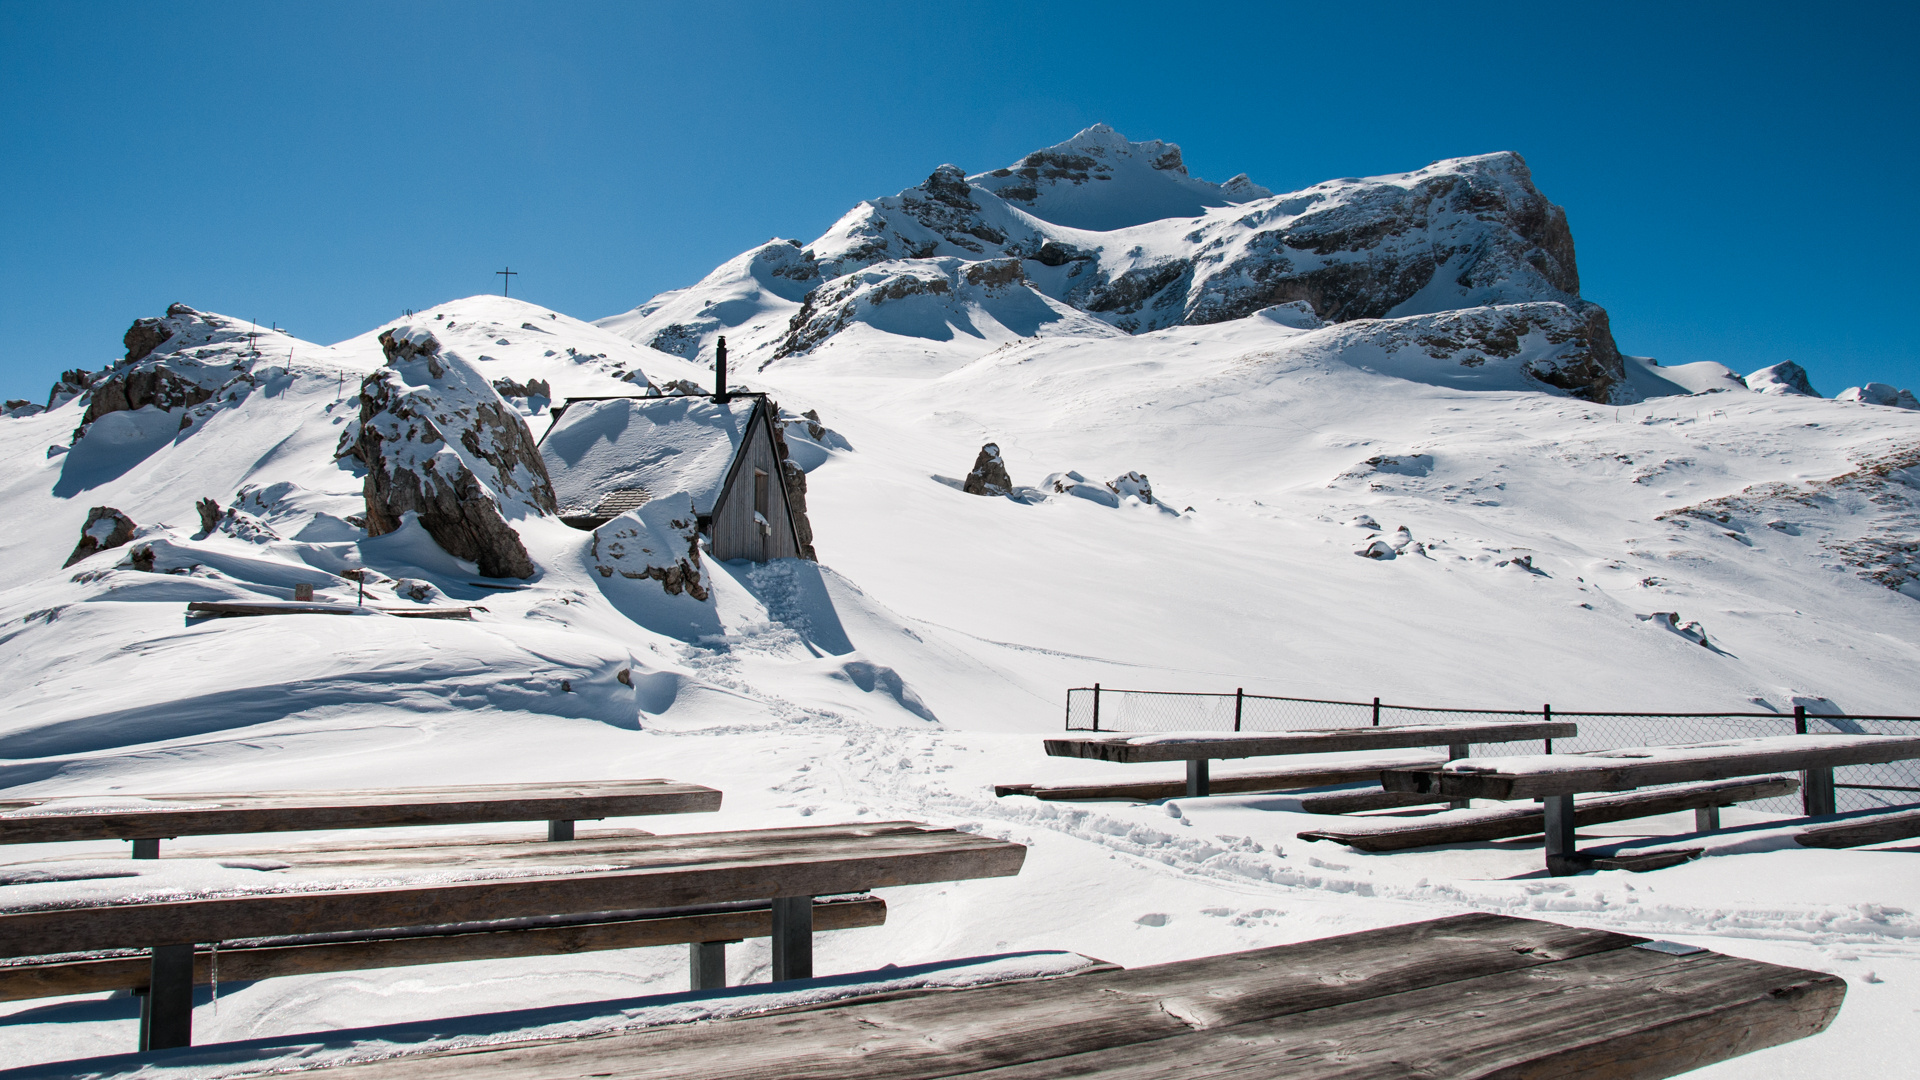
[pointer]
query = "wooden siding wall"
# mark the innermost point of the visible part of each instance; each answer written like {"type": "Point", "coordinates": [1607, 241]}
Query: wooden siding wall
{"type": "Point", "coordinates": [734, 532]}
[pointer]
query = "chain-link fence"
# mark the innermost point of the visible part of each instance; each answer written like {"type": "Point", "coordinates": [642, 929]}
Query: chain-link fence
{"type": "Point", "coordinates": [1857, 787]}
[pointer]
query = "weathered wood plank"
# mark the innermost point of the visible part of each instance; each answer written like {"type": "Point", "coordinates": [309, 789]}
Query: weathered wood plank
{"type": "Point", "coordinates": [1472, 826]}
{"type": "Point", "coordinates": [1355, 802]}
{"type": "Point", "coordinates": [1214, 745]}
{"type": "Point", "coordinates": [1168, 1020]}
{"type": "Point", "coordinates": [821, 861]}
{"type": "Point", "coordinates": [1629, 1014]}
{"type": "Point", "coordinates": [1537, 776]}
{"type": "Point", "coordinates": [37, 821]}
{"type": "Point", "coordinates": [1878, 829]}
{"type": "Point", "coordinates": [23, 981]}
{"type": "Point", "coordinates": [1296, 776]}
{"type": "Point", "coordinates": [1641, 862]}
{"type": "Point", "coordinates": [229, 609]}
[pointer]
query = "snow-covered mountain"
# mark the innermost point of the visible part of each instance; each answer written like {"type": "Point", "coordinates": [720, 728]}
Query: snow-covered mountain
{"type": "Point", "coordinates": [1098, 232]}
{"type": "Point", "coordinates": [1361, 439]}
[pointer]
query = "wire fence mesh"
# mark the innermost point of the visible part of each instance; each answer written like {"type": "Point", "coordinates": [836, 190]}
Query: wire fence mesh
{"type": "Point", "coordinates": [1857, 787]}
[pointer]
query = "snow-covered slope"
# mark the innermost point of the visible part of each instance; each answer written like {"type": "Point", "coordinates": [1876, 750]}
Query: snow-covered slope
{"type": "Point", "coordinates": [917, 664]}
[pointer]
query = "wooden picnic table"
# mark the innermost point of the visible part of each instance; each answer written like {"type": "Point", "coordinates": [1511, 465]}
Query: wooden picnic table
{"type": "Point", "coordinates": [1197, 748]}
{"type": "Point", "coordinates": [147, 819]}
{"type": "Point", "coordinates": [789, 867]}
{"type": "Point", "coordinates": [1555, 778]}
{"type": "Point", "coordinates": [1471, 995]}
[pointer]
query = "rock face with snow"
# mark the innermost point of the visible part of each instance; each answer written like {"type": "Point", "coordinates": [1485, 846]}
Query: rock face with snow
{"type": "Point", "coordinates": [1099, 232]}
{"type": "Point", "coordinates": [105, 528]}
{"type": "Point", "coordinates": [1782, 378]}
{"type": "Point", "coordinates": [989, 474]}
{"type": "Point", "coordinates": [172, 364]}
{"type": "Point", "coordinates": [438, 441]}
{"type": "Point", "coordinates": [1875, 393]}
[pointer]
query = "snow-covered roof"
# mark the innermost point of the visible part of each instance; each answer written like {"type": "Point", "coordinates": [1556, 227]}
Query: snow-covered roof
{"type": "Point", "coordinates": [664, 446]}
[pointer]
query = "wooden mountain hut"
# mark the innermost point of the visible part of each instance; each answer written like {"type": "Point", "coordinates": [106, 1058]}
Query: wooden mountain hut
{"type": "Point", "coordinates": [723, 454]}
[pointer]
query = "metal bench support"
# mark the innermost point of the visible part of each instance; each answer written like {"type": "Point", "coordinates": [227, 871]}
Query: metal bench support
{"type": "Point", "coordinates": [1561, 859]}
{"type": "Point", "coordinates": [559, 830]}
{"type": "Point", "coordinates": [166, 1009]}
{"type": "Point", "coordinates": [1816, 791]}
{"type": "Point", "coordinates": [1197, 782]}
{"type": "Point", "coordinates": [792, 938]}
{"type": "Point", "coordinates": [1706, 819]}
{"type": "Point", "coordinates": [707, 965]}
{"type": "Point", "coordinates": [1456, 751]}
{"type": "Point", "coordinates": [146, 849]}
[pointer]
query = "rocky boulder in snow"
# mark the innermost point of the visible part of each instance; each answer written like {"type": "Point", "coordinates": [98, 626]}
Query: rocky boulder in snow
{"type": "Point", "coordinates": [1782, 378]}
{"type": "Point", "coordinates": [1875, 393]}
{"type": "Point", "coordinates": [1568, 347]}
{"type": "Point", "coordinates": [437, 440]}
{"type": "Point", "coordinates": [656, 541]}
{"type": "Point", "coordinates": [989, 475]}
{"type": "Point", "coordinates": [105, 528]}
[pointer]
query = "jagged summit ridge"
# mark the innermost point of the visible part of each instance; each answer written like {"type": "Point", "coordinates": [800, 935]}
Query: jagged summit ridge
{"type": "Point", "coordinates": [1100, 181]}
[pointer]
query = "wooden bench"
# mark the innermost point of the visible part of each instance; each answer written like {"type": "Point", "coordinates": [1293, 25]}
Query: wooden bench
{"type": "Point", "coordinates": [1500, 823]}
{"type": "Point", "coordinates": [1198, 748]}
{"type": "Point", "coordinates": [783, 868]}
{"type": "Point", "coordinates": [1286, 779]}
{"type": "Point", "coordinates": [1554, 779]}
{"type": "Point", "coordinates": [147, 819]}
{"type": "Point", "coordinates": [1472, 995]}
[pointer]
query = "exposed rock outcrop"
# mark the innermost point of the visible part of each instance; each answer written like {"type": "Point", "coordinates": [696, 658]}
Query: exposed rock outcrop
{"type": "Point", "coordinates": [989, 475]}
{"type": "Point", "coordinates": [438, 441]}
{"type": "Point", "coordinates": [1876, 393]}
{"type": "Point", "coordinates": [1783, 378]}
{"type": "Point", "coordinates": [653, 542]}
{"type": "Point", "coordinates": [105, 528]}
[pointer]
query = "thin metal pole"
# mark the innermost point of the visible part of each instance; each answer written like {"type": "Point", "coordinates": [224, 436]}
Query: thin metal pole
{"type": "Point", "coordinates": [1239, 699]}
{"type": "Point", "coordinates": [1199, 785]}
{"type": "Point", "coordinates": [707, 965]}
{"type": "Point", "coordinates": [166, 1012]}
{"type": "Point", "coordinates": [1561, 860]}
{"type": "Point", "coordinates": [1096, 706]}
{"type": "Point", "coordinates": [792, 938]}
{"type": "Point", "coordinates": [1376, 712]}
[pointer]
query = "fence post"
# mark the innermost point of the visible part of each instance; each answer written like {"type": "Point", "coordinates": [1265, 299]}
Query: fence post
{"type": "Point", "coordinates": [1546, 713]}
{"type": "Point", "coordinates": [1799, 719]}
{"type": "Point", "coordinates": [1239, 698]}
{"type": "Point", "coordinates": [1376, 712]}
{"type": "Point", "coordinates": [1096, 706]}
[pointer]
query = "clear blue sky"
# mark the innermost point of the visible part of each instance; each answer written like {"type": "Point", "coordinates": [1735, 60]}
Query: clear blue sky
{"type": "Point", "coordinates": [1740, 182]}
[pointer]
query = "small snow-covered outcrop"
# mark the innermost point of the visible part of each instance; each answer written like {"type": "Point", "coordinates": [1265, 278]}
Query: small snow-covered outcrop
{"type": "Point", "coordinates": [1786, 377]}
{"type": "Point", "coordinates": [437, 440]}
{"type": "Point", "coordinates": [1875, 393]}
{"type": "Point", "coordinates": [1508, 347]}
{"type": "Point", "coordinates": [657, 542]}
{"type": "Point", "coordinates": [172, 363]}
{"type": "Point", "coordinates": [105, 528]}
{"type": "Point", "coordinates": [989, 474]}
{"type": "Point", "coordinates": [1128, 486]}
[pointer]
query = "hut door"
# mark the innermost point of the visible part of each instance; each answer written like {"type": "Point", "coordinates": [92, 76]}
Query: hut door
{"type": "Point", "coordinates": [762, 524]}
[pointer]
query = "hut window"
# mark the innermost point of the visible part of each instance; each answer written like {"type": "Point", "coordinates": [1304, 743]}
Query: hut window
{"type": "Point", "coordinates": [760, 492]}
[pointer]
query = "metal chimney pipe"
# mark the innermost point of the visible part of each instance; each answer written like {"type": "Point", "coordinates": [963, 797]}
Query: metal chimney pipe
{"type": "Point", "coordinates": [720, 371]}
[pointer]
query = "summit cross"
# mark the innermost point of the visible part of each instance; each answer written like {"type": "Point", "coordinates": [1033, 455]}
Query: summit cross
{"type": "Point", "coordinates": [506, 278]}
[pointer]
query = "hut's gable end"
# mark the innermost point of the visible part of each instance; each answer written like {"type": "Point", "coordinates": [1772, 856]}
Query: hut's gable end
{"type": "Point", "coordinates": [752, 520]}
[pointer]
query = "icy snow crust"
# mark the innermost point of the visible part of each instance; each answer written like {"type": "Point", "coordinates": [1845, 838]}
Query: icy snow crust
{"type": "Point", "coordinates": [924, 659]}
